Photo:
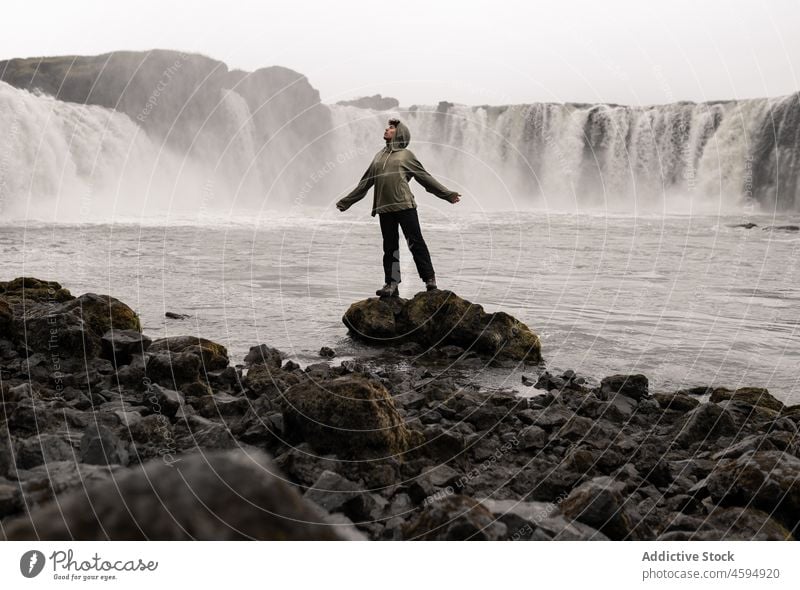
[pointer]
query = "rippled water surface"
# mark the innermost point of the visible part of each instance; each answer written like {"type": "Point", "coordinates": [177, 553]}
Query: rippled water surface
{"type": "Point", "coordinates": [687, 300]}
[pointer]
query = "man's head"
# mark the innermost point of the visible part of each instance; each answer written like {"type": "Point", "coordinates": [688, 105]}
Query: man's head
{"type": "Point", "coordinates": [397, 135]}
{"type": "Point", "coordinates": [391, 129]}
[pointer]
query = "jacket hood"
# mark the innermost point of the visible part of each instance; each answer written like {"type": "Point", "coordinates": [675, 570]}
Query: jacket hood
{"type": "Point", "coordinates": [402, 137]}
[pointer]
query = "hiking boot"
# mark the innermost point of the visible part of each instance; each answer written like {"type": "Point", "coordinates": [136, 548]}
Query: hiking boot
{"type": "Point", "coordinates": [390, 289]}
{"type": "Point", "coordinates": [430, 284]}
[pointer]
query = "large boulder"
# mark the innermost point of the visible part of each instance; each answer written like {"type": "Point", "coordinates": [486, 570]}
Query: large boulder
{"type": "Point", "coordinates": [29, 289]}
{"type": "Point", "coordinates": [120, 346]}
{"type": "Point", "coordinates": [632, 386]}
{"type": "Point", "coordinates": [349, 416]}
{"type": "Point", "coordinates": [74, 327]}
{"type": "Point", "coordinates": [767, 480]}
{"type": "Point", "coordinates": [439, 318]}
{"type": "Point", "coordinates": [601, 504]}
{"type": "Point", "coordinates": [213, 356]}
{"type": "Point", "coordinates": [754, 396]}
{"type": "Point", "coordinates": [204, 496]}
{"type": "Point", "coordinates": [707, 421]}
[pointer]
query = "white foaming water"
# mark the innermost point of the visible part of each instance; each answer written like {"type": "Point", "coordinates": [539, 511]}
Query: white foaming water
{"type": "Point", "coordinates": [70, 162]}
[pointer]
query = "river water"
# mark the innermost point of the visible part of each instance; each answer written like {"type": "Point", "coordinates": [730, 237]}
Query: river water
{"type": "Point", "coordinates": [685, 299]}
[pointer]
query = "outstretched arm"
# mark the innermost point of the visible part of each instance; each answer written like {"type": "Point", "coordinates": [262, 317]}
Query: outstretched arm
{"type": "Point", "coordinates": [430, 184]}
{"type": "Point", "coordinates": [359, 192]}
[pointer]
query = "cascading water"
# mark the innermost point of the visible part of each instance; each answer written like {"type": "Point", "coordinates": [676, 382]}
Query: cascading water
{"type": "Point", "coordinates": [63, 160]}
{"type": "Point", "coordinates": [679, 157]}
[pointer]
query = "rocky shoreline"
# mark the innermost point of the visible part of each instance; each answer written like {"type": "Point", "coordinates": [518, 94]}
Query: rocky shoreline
{"type": "Point", "coordinates": [107, 434]}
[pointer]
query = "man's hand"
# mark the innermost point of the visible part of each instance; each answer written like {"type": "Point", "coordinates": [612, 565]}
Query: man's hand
{"type": "Point", "coordinates": [455, 198]}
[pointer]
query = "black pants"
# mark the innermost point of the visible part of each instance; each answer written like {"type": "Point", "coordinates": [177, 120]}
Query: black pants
{"type": "Point", "coordinates": [409, 221]}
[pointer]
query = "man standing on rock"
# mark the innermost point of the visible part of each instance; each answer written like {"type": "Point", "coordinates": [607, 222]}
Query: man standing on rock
{"type": "Point", "coordinates": [390, 171]}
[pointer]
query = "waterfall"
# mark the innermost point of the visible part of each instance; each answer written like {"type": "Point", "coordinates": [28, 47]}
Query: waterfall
{"type": "Point", "coordinates": [63, 160]}
{"type": "Point", "coordinates": [682, 157]}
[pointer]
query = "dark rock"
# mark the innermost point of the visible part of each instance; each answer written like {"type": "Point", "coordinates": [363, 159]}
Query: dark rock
{"type": "Point", "coordinates": [755, 396]}
{"type": "Point", "coordinates": [451, 350]}
{"type": "Point", "coordinates": [533, 437]}
{"type": "Point", "coordinates": [290, 366]}
{"type": "Point", "coordinates": [320, 370]}
{"type": "Point", "coordinates": [304, 466]}
{"type": "Point", "coordinates": [334, 493]}
{"type": "Point", "coordinates": [545, 480]}
{"type": "Point", "coordinates": [173, 370]}
{"type": "Point", "coordinates": [442, 444]}
{"type": "Point", "coordinates": [177, 316]}
{"type": "Point", "coordinates": [31, 290]}
{"type": "Point", "coordinates": [100, 446]}
{"type": "Point", "coordinates": [525, 519]}
{"type": "Point", "coordinates": [10, 499]}
{"type": "Point", "coordinates": [349, 415]}
{"type": "Point", "coordinates": [454, 518]}
{"type": "Point", "coordinates": [46, 482]}
{"type": "Point", "coordinates": [6, 319]}
{"type": "Point", "coordinates": [600, 504]}
{"type": "Point", "coordinates": [161, 400]}
{"type": "Point", "coordinates": [197, 432]}
{"type": "Point", "coordinates": [767, 480]}
{"type": "Point", "coordinates": [783, 227]}
{"type": "Point", "coordinates": [6, 446]}
{"type": "Point", "coordinates": [264, 355]}
{"type": "Point", "coordinates": [707, 420]}
{"type": "Point", "coordinates": [204, 496]}
{"type": "Point", "coordinates": [43, 449]}
{"type": "Point", "coordinates": [212, 356]}
{"type": "Point", "coordinates": [439, 318]}
{"type": "Point", "coordinates": [678, 401]}
{"type": "Point", "coordinates": [411, 348]}
{"type": "Point", "coordinates": [553, 416]}
{"type": "Point", "coordinates": [754, 442]}
{"type": "Point", "coordinates": [441, 475]}
{"type": "Point", "coordinates": [269, 381]}
{"type": "Point", "coordinates": [327, 352]}
{"type": "Point", "coordinates": [726, 524]}
{"type": "Point", "coordinates": [119, 346]}
{"type": "Point", "coordinates": [221, 405]}
{"type": "Point", "coordinates": [633, 386]}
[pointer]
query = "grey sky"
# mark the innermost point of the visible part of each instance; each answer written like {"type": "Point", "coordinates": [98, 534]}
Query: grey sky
{"type": "Point", "coordinates": [473, 52]}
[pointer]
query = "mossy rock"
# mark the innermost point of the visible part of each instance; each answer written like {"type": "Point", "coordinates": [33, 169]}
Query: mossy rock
{"type": "Point", "coordinates": [212, 355]}
{"type": "Point", "coordinates": [755, 396]}
{"type": "Point", "coordinates": [74, 328]}
{"type": "Point", "coordinates": [31, 289]}
{"type": "Point", "coordinates": [102, 313]}
{"type": "Point", "coordinates": [440, 318]}
{"type": "Point", "coordinates": [269, 381]}
{"type": "Point", "coordinates": [373, 319]}
{"type": "Point", "coordinates": [351, 416]}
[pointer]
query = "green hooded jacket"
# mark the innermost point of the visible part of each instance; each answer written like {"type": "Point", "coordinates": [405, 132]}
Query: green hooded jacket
{"type": "Point", "coordinates": [390, 170]}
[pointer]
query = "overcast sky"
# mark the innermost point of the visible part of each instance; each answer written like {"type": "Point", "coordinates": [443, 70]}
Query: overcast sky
{"type": "Point", "coordinates": [472, 52]}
